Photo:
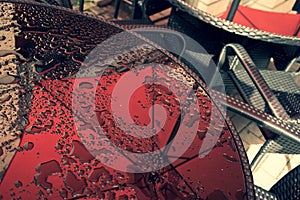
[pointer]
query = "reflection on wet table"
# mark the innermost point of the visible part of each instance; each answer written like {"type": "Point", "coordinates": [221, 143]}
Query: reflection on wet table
{"type": "Point", "coordinates": [66, 86]}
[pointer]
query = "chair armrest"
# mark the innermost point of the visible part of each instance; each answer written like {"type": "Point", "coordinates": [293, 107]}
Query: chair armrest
{"type": "Point", "coordinates": [276, 125]}
{"type": "Point", "coordinates": [255, 76]}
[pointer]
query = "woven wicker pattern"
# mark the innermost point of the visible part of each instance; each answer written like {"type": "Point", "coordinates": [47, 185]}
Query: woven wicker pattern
{"type": "Point", "coordinates": [285, 89]}
{"type": "Point", "coordinates": [262, 194]}
{"type": "Point", "coordinates": [282, 85]}
{"type": "Point", "coordinates": [246, 86]}
{"type": "Point", "coordinates": [288, 188]}
{"type": "Point", "coordinates": [197, 30]}
{"type": "Point", "coordinates": [282, 145]}
{"type": "Point", "coordinates": [52, 2]}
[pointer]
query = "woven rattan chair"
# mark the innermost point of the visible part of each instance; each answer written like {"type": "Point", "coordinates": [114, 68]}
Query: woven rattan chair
{"type": "Point", "coordinates": [273, 92]}
{"type": "Point", "coordinates": [213, 33]}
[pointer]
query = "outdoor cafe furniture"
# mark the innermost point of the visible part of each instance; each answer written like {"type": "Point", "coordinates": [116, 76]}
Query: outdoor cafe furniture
{"type": "Point", "coordinates": [57, 159]}
{"type": "Point", "coordinates": [65, 80]}
{"type": "Point", "coordinates": [273, 92]}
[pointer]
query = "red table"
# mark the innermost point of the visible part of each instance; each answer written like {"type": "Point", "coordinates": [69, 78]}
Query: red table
{"type": "Point", "coordinates": [71, 122]}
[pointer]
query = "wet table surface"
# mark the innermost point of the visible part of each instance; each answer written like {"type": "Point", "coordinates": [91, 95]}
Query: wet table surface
{"type": "Point", "coordinates": [88, 111]}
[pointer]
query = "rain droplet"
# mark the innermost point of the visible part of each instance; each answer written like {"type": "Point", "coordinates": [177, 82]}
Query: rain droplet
{"type": "Point", "coordinates": [28, 146]}
{"type": "Point", "coordinates": [229, 158]}
{"type": "Point", "coordinates": [18, 184]}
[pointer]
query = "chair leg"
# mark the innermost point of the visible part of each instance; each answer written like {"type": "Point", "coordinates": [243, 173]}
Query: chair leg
{"type": "Point", "coordinates": [258, 157]}
{"type": "Point", "coordinates": [233, 9]}
{"type": "Point", "coordinates": [81, 4]}
{"type": "Point", "coordinates": [117, 8]}
{"type": "Point", "coordinates": [136, 12]}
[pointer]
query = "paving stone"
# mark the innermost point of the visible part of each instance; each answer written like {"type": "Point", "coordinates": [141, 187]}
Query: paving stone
{"type": "Point", "coordinates": [240, 122]}
{"type": "Point", "coordinates": [274, 164]}
{"type": "Point", "coordinates": [216, 8]}
{"type": "Point", "coordinates": [294, 161]}
{"type": "Point", "coordinates": [254, 129]}
{"type": "Point", "coordinates": [250, 138]}
{"type": "Point", "coordinates": [270, 3]}
{"type": "Point", "coordinates": [252, 151]}
{"type": "Point", "coordinates": [263, 179]}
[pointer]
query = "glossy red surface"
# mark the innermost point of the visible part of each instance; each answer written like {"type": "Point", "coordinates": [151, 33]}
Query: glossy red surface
{"type": "Point", "coordinates": [58, 164]}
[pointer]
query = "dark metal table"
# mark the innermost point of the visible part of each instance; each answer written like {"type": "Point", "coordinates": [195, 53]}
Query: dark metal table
{"type": "Point", "coordinates": [60, 70]}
